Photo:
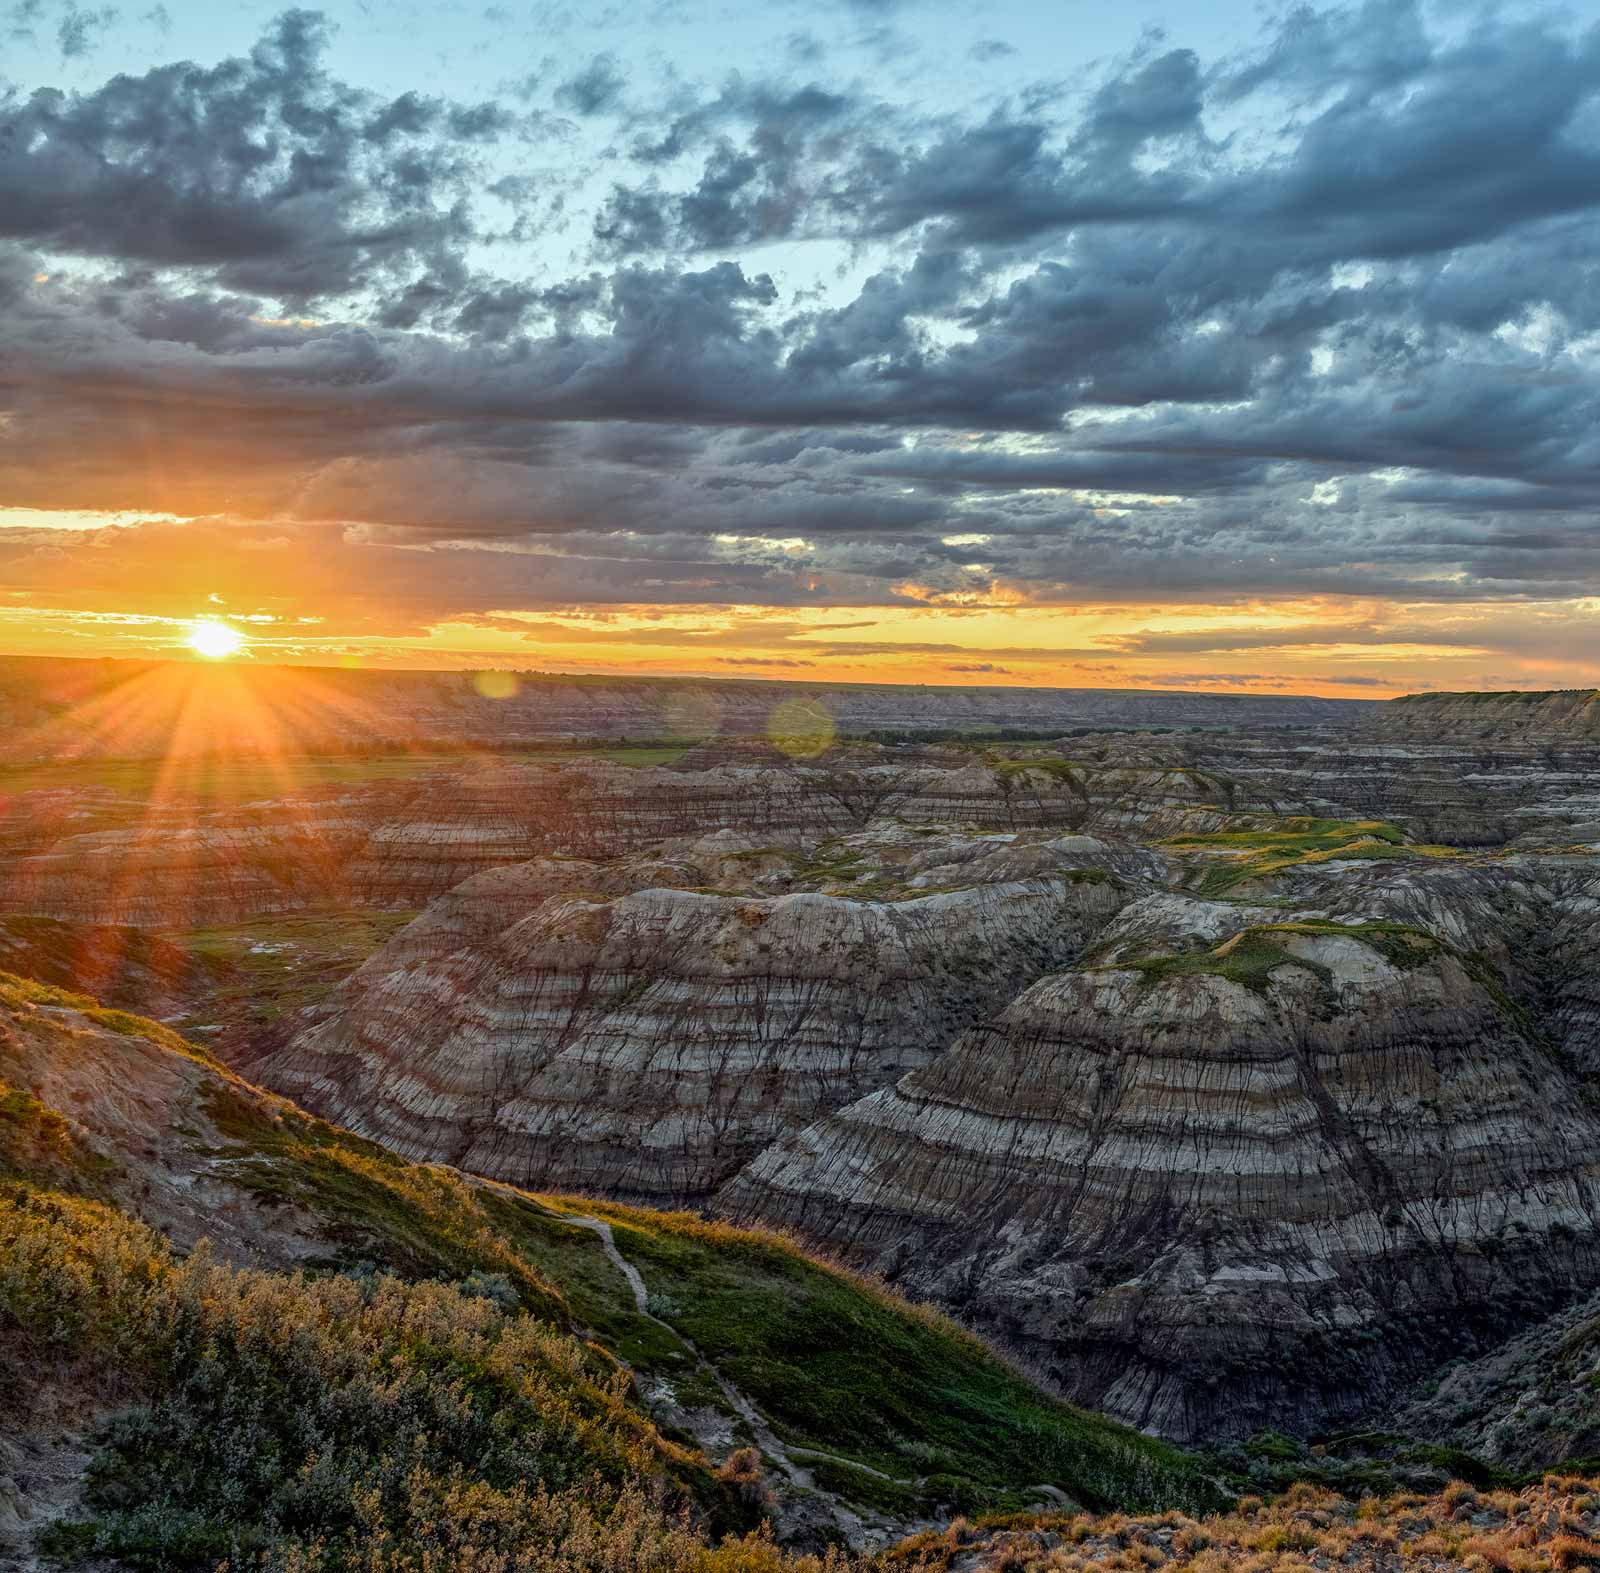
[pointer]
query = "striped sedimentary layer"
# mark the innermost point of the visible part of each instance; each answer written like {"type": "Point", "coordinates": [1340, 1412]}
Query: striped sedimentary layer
{"type": "Point", "coordinates": [651, 1044]}
{"type": "Point", "coordinates": [1255, 1183]}
{"type": "Point", "coordinates": [401, 844]}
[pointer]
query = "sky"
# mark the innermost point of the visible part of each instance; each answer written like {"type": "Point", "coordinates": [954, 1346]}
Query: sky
{"type": "Point", "coordinates": [1238, 347]}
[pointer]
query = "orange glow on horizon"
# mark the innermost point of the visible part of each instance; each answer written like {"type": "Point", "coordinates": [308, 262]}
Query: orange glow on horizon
{"type": "Point", "coordinates": [1326, 647]}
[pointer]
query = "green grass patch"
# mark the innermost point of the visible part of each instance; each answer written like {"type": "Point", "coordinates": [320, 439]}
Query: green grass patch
{"type": "Point", "coordinates": [843, 1366]}
{"type": "Point", "coordinates": [418, 1220]}
{"type": "Point", "coordinates": [277, 965]}
{"type": "Point", "coordinates": [38, 1143]}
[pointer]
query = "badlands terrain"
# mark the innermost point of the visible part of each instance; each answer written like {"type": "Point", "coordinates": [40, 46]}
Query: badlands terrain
{"type": "Point", "coordinates": [964, 1129]}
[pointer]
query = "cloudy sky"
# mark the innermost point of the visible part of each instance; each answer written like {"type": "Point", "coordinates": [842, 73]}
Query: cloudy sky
{"type": "Point", "coordinates": [908, 340]}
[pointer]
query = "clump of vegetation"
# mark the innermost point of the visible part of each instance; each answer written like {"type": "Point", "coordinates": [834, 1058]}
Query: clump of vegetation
{"type": "Point", "coordinates": [34, 1138]}
{"type": "Point", "coordinates": [1251, 956]}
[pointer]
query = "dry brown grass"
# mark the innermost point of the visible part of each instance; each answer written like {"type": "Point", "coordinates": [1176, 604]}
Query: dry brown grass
{"type": "Point", "coordinates": [1553, 1527]}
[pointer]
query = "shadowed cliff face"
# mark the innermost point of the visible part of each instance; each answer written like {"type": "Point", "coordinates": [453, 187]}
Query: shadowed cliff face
{"type": "Point", "coordinates": [1529, 1404]}
{"type": "Point", "coordinates": [1250, 1184]}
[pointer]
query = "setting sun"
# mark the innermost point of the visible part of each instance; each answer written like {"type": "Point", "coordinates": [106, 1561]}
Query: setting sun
{"type": "Point", "coordinates": [215, 641]}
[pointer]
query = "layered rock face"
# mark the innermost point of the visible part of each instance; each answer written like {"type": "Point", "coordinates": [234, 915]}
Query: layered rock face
{"type": "Point", "coordinates": [1566, 955]}
{"type": "Point", "coordinates": [1256, 1183]}
{"type": "Point", "coordinates": [399, 844]}
{"type": "Point", "coordinates": [649, 1045]}
{"type": "Point", "coordinates": [1443, 787]}
{"type": "Point", "coordinates": [1111, 795]}
{"type": "Point", "coordinates": [167, 874]}
{"type": "Point", "coordinates": [1210, 1164]}
{"type": "Point", "coordinates": [1571, 714]}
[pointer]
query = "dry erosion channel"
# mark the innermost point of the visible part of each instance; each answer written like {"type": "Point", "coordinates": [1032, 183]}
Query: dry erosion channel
{"type": "Point", "coordinates": [995, 1143]}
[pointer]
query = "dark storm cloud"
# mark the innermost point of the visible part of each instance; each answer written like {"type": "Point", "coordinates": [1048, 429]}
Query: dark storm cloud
{"type": "Point", "coordinates": [768, 171]}
{"type": "Point", "coordinates": [1098, 353]}
{"type": "Point", "coordinates": [1417, 146]}
{"type": "Point", "coordinates": [961, 469]}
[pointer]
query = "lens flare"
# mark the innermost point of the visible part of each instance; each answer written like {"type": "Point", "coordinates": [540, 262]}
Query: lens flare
{"type": "Point", "coordinates": [213, 640]}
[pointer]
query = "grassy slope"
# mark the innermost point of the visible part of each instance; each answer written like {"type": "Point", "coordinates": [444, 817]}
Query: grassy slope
{"type": "Point", "coordinates": [836, 1365]}
{"type": "Point", "coordinates": [840, 1365]}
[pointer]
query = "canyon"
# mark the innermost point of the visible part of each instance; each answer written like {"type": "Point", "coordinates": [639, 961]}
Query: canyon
{"type": "Point", "coordinates": [1231, 1077]}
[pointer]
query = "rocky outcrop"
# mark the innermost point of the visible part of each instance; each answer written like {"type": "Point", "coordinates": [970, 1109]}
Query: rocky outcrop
{"type": "Point", "coordinates": [1256, 1182]}
{"type": "Point", "coordinates": [121, 1108]}
{"type": "Point", "coordinates": [649, 1045]}
{"type": "Point", "coordinates": [1107, 796]}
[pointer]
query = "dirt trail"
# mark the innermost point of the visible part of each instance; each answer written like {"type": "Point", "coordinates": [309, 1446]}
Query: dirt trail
{"type": "Point", "coordinates": [768, 1442]}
